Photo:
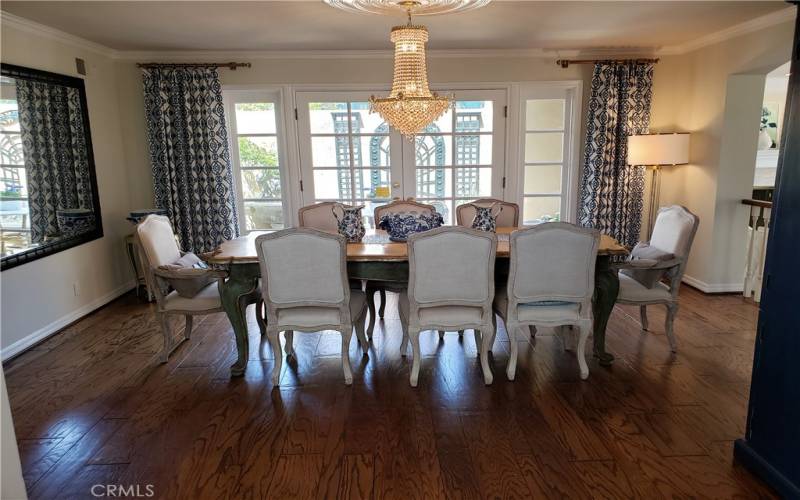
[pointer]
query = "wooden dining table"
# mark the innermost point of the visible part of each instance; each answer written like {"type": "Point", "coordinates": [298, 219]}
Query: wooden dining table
{"type": "Point", "coordinates": [376, 258]}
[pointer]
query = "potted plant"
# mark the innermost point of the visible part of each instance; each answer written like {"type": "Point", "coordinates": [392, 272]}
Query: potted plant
{"type": "Point", "coordinates": [764, 139]}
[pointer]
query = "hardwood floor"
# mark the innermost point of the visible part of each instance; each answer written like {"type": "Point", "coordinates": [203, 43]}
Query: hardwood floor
{"type": "Point", "coordinates": [92, 405]}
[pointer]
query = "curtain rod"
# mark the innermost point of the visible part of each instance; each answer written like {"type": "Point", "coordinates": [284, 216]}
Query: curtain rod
{"type": "Point", "coordinates": [229, 65]}
{"type": "Point", "coordinates": [564, 63]}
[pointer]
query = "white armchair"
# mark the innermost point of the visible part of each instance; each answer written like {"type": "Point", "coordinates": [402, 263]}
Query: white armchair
{"type": "Point", "coordinates": [450, 287]}
{"type": "Point", "coordinates": [673, 233]}
{"type": "Point", "coordinates": [550, 283]}
{"type": "Point", "coordinates": [305, 288]}
{"type": "Point", "coordinates": [157, 247]}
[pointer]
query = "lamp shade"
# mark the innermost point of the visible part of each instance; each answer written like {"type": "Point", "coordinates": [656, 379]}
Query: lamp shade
{"type": "Point", "coordinates": [658, 149]}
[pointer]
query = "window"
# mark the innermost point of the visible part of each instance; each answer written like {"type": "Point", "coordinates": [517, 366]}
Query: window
{"type": "Point", "coordinates": [549, 167]}
{"type": "Point", "coordinates": [258, 166]}
{"type": "Point", "coordinates": [15, 231]}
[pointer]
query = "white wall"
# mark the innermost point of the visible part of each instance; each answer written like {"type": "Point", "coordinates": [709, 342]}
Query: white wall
{"type": "Point", "coordinates": [37, 298]}
{"type": "Point", "coordinates": [711, 93]}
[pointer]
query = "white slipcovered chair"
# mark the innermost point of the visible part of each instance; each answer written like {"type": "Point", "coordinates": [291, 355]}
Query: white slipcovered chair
{"type": "Point", "coordinates": [395, 207]}
{"type": "Point", "coordinates": [673, 233]}
{"type": "Point", "coordinates": [450, 287]}
{"type": "Point", "coordinates": [550, 283]}
{"type": "Point", "coordinates": [305, 288]}
{"type": "Point", "coordinates": [508, 216]}
{"type": "Point", "coordinates": [157, 247]}
{"type": "Point", "coordinates": [319, 216]}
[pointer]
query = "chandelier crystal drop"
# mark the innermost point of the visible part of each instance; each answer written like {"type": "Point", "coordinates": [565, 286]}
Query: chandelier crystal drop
{"type": "Point", "coordinates": [411, 106]}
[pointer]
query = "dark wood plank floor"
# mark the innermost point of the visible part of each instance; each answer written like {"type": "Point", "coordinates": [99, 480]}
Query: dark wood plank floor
{"type": "Point", "coordinates": [93, 406]}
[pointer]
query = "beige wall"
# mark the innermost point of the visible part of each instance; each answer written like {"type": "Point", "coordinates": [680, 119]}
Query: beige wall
{"type": "Point", "coordinates": [39, 296]}
{"type": "Point", "coordinates": [712, 93]}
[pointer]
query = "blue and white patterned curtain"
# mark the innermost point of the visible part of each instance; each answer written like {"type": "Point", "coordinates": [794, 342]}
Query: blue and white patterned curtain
{"type": "Point", "coordinates": [611, 191]}
{"type": "Point", "coordinates": [192, 174]}
{"type": "Point", "coordinates": [54, 147]}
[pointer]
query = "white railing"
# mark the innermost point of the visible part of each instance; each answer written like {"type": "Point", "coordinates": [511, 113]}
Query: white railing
{"type": "Point", "coordinates": [757, 233]}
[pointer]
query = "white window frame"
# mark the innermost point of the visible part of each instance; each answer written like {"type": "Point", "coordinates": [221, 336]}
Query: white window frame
{"type": "Point", "coordinates": [572, 93]}
{"type": "Point", "coordinates": [233, 96]}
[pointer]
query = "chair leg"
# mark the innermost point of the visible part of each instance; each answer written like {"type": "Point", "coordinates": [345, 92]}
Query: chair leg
{"type": "Point", "coordinates": [371, 308]}
{"type": "Point", "coordinates": [413, 335]}
{"type": "Point", "coordinates": [488, 377]}
{"type": "Point", "coordinates": [643, 315]}
{"type": "Point", "coordinates": [347, 334]}
{"type": "Point", "coordinates": [383, 303]}
{"type": "Point", "coordinates": [289, 336]}
{"type": "Point", "coordinates": [583, 334]}
{"type": "Point", "coordinates": [461, 333]}
{"type": "Point", "coordinates": [165, 330]}
{"type": "Point", "coordinates": [491, 342]}
{"type": "Point", "coordinates": [532, 329]}
{"type": "Point", "coordinates": [277, 354]}
{"type": "Point", "coordinates": [478, 339]}
{"type": "Point", "coordinates": [672, 310]}
{"type": "Point", "coordinates": [187, 332]}
{"type": "Point", "coordinates": [511, 369]}
{"type": "Point", "coordinates": [441, 334]}
{"type": "Point", "coordinates": [362, 339]}
{"type": "Point", "coordinates": [261, 319]}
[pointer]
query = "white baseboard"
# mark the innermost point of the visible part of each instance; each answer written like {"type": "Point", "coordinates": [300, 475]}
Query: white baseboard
{"type": "Point", "coordinates": [713, 287]}
{"type": "Point", "coordinates": [48, 330]}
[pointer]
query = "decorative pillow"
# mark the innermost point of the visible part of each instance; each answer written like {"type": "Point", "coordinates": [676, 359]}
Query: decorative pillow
{"type": "Point", "coordinates": [188, 275]}
{"type": "Point", "coordinates": [643, 257]}
{"type": "Point", "coordinates": [400, 225]}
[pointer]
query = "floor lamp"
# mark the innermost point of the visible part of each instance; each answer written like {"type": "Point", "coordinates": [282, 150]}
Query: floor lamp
{"type": "Point", "coordinates": [656, 151]}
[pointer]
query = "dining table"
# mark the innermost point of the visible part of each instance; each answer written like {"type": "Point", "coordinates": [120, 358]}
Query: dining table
{"type": "Point", "coordinates": [376, 258]}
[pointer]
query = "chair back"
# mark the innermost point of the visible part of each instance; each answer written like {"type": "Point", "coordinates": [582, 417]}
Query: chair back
{"type": "Point", "coordinates": [451, 266]}
{"type": "Point", "coordinates": [303, 267]}
{"type": "Point", "coordinates": [674, 230]}
{"type": "Point", "coordinates": [319, 216]}
{"type": "Point", "coordinates": [400, 206]}
{"type": "Point", "coordinates": [157, 241]}
{"type": "Point", "coordinates": [508, 216]}
{"type": "Point", "coordinates": [553, 261]}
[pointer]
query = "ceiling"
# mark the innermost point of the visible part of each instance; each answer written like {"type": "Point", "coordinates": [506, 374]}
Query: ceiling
{"type": "Point", "coordinates": [311, 25]}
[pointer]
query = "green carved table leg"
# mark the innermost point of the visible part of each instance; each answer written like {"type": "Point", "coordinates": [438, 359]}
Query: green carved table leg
{"type": "Point", "coordinates": [238, 291]}
{"type": "Point", "coordinates": [606, 283]}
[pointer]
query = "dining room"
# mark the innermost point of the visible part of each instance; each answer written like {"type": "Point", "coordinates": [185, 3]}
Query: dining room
{"type": "Point", "coordinates": [384, 249]}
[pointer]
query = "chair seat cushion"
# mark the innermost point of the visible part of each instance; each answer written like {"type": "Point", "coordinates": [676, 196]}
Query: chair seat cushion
{"type": "Point", "coordinates": [205, 299]}
{"type": "Point", "coordinates": [315, 317]}
{"type": "Point", "coordinates": [631, 290]}
{"type": "Point", "coordinates": [448, 316]}
{"type": "Point", "coordinates": [545, 310]}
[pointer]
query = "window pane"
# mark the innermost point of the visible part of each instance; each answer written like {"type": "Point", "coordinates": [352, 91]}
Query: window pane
{"type": "Point", "coordinates": [255, 118]}
{"type": "Point", "coordinates": [328, 117]}
{"type": "Point", "coordinates": [368, 212]}
{"type": "Point", "coordinates": [442, 124]}
{"type": "Point", "coordinates": [473, 149]}
{"type": "Point", "coordinates": [473, 182]}
{"type": "Point", "coordinates": [331, 151]}
{"type": "Point", "coordinates": [433, 150]}
{"type": "Point", "coordinates": [536, 210]}
{"type": "Point", "coordinates": [542, 179]}
{"type": "Point", "coordinates": [261, 183]}
{"type": "Point", "coordinates": [332, 184]}
{"type": "Point", "coordinates": [474, 116]}
{"type": "Point", "coordinates": [263, 215]}
{"type": "Point", "coordinates": [14, 213]}
{"type": "Point", "coordinates": [544, 147]}
{"type": "Point", "coordinates": [370, 180]}
{"type": "Point", "coordinates": [258, 151]}
{"type": "Point", "coordinates": [434, 182]}
{"type": "Point", "coordinates": [544, 114]}
{"type": "Point", "coordinates": [365, 122]}
{"type": "Point", "coordinates": [371, 151]}
{"type": "Point", "coordinates": [13, 185]}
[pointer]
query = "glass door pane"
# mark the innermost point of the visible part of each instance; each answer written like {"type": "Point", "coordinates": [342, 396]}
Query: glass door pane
{"type": "Point", "coordinates": [544, 152]}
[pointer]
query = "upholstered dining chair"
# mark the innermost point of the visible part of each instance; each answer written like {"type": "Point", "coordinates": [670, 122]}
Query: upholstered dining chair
{"type": "Point", "coordinates": [673, 235]}
{"type": "Point", "coordinates": [508, 216]}
{"type": "Point", "coordinates": [157, 247]}
{"type": "Point", "coordinates": [550, 283]}
{"type": "Point", "coordinates": [319, 216]}
{"type": "Point", "coordinates": [450, 287]}
{"type": "Point", "coordinates": [305, 288]}
{"type": "Point", "coordinates": [395, 207]}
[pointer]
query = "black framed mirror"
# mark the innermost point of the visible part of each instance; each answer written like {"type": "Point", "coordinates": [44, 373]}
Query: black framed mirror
{"type": "Point", "coordinates": [48, 186]}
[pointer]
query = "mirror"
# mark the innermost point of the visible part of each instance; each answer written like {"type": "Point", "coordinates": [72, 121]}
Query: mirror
{"type": "Point", "coordinates": [48, 189]}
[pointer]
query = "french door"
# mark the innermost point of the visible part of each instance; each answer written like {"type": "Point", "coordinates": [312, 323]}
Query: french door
{"type": "Point", "coordinates": [352, 156]}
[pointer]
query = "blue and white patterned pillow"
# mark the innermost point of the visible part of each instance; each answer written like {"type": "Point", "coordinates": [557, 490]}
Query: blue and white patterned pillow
{"type": "Point", "coordinates": [400, 225]}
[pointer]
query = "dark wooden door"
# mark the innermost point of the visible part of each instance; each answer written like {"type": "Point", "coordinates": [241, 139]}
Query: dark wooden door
{"type": "Point", "coordinates": [771, 446]}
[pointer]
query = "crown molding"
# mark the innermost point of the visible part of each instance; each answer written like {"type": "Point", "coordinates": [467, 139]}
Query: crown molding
{"type": "Point", "coordinates": [48, 32]}
{"type": "Point", "coordinates": [765, 21]}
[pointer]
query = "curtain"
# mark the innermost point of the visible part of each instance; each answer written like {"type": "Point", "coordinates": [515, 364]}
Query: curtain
{"type": "Point", "coordinates": [192, 174]}
{"type": "Point", "coordinates": [611, 191]}
{"type": "Point", "coordinates": [54, 146]}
